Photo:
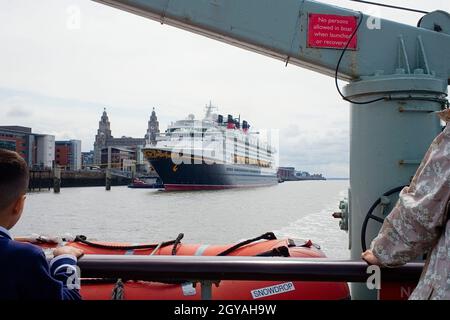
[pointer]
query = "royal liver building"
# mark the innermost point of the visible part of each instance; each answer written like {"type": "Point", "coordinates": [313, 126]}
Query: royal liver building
{"type": "Point", "coordinates": [104, 138]}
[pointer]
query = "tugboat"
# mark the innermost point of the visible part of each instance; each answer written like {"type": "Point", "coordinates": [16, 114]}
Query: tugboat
{"type": "Point", "coordinates": [146, 183]}
{"type": "Point", "coordinates": [212, 154]}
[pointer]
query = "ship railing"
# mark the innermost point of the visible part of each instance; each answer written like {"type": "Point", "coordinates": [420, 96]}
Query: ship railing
{"type": "Point", "coordinates": [212, 269]}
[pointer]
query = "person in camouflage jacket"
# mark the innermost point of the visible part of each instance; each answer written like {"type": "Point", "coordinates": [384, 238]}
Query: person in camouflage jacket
{"type": "Point", "coordinates": [418, 223]}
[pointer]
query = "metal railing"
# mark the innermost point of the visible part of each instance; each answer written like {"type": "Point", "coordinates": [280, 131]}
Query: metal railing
{"type": "Point", "coordinates": [208, 270]}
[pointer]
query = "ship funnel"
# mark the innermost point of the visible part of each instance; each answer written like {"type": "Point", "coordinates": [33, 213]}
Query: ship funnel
{"type": "Point", "coordinates": [230, 122]}
{"type": "Point", "coordinates": [245, 126]}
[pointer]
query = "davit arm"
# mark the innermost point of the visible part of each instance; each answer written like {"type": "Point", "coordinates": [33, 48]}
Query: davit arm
{"type": "Point", "coordinates": [282, 29]}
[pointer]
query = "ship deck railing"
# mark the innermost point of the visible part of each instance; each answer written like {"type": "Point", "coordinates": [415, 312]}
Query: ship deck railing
{"type": "Point", "coordinates": [209, 270]}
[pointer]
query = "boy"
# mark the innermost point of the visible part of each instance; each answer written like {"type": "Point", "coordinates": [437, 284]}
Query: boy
{"type": "Point", "coordinates": [24, 271]}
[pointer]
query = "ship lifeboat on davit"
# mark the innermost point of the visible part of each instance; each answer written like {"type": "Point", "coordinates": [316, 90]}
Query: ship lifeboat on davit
{"type": "Point", "coordinates": [265, 245]}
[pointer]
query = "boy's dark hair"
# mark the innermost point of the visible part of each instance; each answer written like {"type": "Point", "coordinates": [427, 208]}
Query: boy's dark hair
{"type": "Point", "coordinates": [13, 177]}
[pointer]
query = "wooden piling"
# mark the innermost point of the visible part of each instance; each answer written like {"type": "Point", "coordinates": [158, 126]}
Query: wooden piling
{"type": "Point", "coordinates": [56, 180]}
{"type": "Point", "coordinates": [108, 180]}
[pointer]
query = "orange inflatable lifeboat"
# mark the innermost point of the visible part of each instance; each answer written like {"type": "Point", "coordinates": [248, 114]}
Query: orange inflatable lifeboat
{"type": "Point", "coordinates": [265, 245]}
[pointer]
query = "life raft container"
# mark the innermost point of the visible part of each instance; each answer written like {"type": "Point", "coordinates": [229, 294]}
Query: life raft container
{"type": "Point", "coordinates": [265, 245]}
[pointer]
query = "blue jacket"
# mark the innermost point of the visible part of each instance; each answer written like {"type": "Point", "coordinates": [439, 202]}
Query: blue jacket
{"type": "Point", "coordinates": [26, 274]}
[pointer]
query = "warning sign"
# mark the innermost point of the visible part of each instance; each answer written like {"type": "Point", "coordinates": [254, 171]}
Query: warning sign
{"type": "Point", "coordinates": [331, 31]}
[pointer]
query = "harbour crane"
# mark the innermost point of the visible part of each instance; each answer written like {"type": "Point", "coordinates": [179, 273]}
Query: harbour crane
{"type": "Point", "coordinates": [397, 75]}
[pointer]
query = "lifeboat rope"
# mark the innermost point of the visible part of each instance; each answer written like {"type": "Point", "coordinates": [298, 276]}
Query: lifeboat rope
{"type": "Point", "coordinates": [156, 249]}
{"type": "Point", "coordinates": [280, 251]}
{"type": "Point", "coordinates": [83, 239]}
{"type": "Point", "coordinates": [265, 236]}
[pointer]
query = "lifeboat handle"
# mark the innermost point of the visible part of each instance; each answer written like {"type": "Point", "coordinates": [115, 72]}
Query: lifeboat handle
{"type": "Point", "coordinates": [176, 243]}
{"type": "Point", "coordinates": [265, 236]}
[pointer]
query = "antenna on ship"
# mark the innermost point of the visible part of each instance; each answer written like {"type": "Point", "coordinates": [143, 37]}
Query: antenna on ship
{"type": "Point", "coordinates": [209, 110]}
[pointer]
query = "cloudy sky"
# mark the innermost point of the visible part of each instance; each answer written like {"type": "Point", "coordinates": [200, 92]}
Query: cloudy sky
{"type": "Point", "coordinates": [57, 79]}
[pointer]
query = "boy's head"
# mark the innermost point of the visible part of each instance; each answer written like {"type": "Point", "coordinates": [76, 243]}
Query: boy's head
{"type": "Point", "coordinates": [13, 187]}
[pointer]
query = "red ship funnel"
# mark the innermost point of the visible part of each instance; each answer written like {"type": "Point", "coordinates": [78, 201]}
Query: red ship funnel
{"type": "Point", "coordinates": [230, 122]}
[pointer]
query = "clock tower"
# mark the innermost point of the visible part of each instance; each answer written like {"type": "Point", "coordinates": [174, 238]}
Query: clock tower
{"type": "Point", "coordinates": [102, 137]}
{"type": "Point", "coordinates": [153, 129]}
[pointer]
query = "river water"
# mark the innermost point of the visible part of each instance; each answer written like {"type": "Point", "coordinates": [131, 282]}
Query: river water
{"type": "Point", "coordinates": [300, 210]}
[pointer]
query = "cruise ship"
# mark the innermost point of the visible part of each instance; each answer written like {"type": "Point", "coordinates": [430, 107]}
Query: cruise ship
{"type": "Point", "coordinates": [212, 153]}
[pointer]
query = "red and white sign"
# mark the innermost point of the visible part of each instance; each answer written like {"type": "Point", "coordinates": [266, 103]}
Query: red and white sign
{"type": "Point", "coordinates": [331, 31]}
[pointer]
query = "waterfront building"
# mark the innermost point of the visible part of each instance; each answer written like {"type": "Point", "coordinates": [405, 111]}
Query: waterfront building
{"type": "Point", "coordinates": [87, 159]}
{"type": "Point", "coordinates": [45, 151]}
{"type": "Point", "coordinates": [104, 139]}
{"type": "Point", "coordinates": [38, 150]}
{"type": "Point", "coordinates": [118, 158]}
{"type": "Point", "coordinates": [290, 174]}
{"type": "Point", "coordinates": [302, 174]}
{"type": "Point", "coordinates": [68, 154]}
{"type": "Point", "coordinates": [286, 173]}
{"type": "Point", "coordinates": [18, 139]}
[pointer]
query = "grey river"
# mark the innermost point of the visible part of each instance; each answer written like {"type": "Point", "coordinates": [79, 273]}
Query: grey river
{"type": "Point", "coordinates": [300, 210]}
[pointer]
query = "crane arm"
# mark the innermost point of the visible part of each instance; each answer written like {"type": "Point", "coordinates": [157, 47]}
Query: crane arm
{"type": "Point", "coordinates": [310, 34]}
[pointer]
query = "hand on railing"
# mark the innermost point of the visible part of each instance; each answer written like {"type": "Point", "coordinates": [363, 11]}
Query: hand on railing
{"type": "Point", "coordinates": [370, 258]}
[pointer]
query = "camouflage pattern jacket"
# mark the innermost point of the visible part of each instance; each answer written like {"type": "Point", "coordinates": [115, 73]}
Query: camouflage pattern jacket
{"type": "Point", "coordinates": [419, 222]}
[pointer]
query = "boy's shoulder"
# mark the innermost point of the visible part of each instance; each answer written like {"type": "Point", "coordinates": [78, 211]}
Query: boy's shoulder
{"type": "Point", "coordinates": [22, 250]}
{"type": "Point", "coordinates": [21, 258]}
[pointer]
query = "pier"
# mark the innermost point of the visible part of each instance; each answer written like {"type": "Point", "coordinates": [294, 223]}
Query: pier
{"type": "Point", "coordinates": [40, 180]}
{"type": "Point", "coordinates": [48, 179]}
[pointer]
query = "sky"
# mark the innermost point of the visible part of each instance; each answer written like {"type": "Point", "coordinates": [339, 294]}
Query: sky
{"type": "Point", "coordinates": [57, 75]}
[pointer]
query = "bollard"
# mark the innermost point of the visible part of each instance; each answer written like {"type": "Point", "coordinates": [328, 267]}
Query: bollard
{"type": "Point", "coordinates": [56, 180]}
{"type": "Point", "coordinates": [108, 180]}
